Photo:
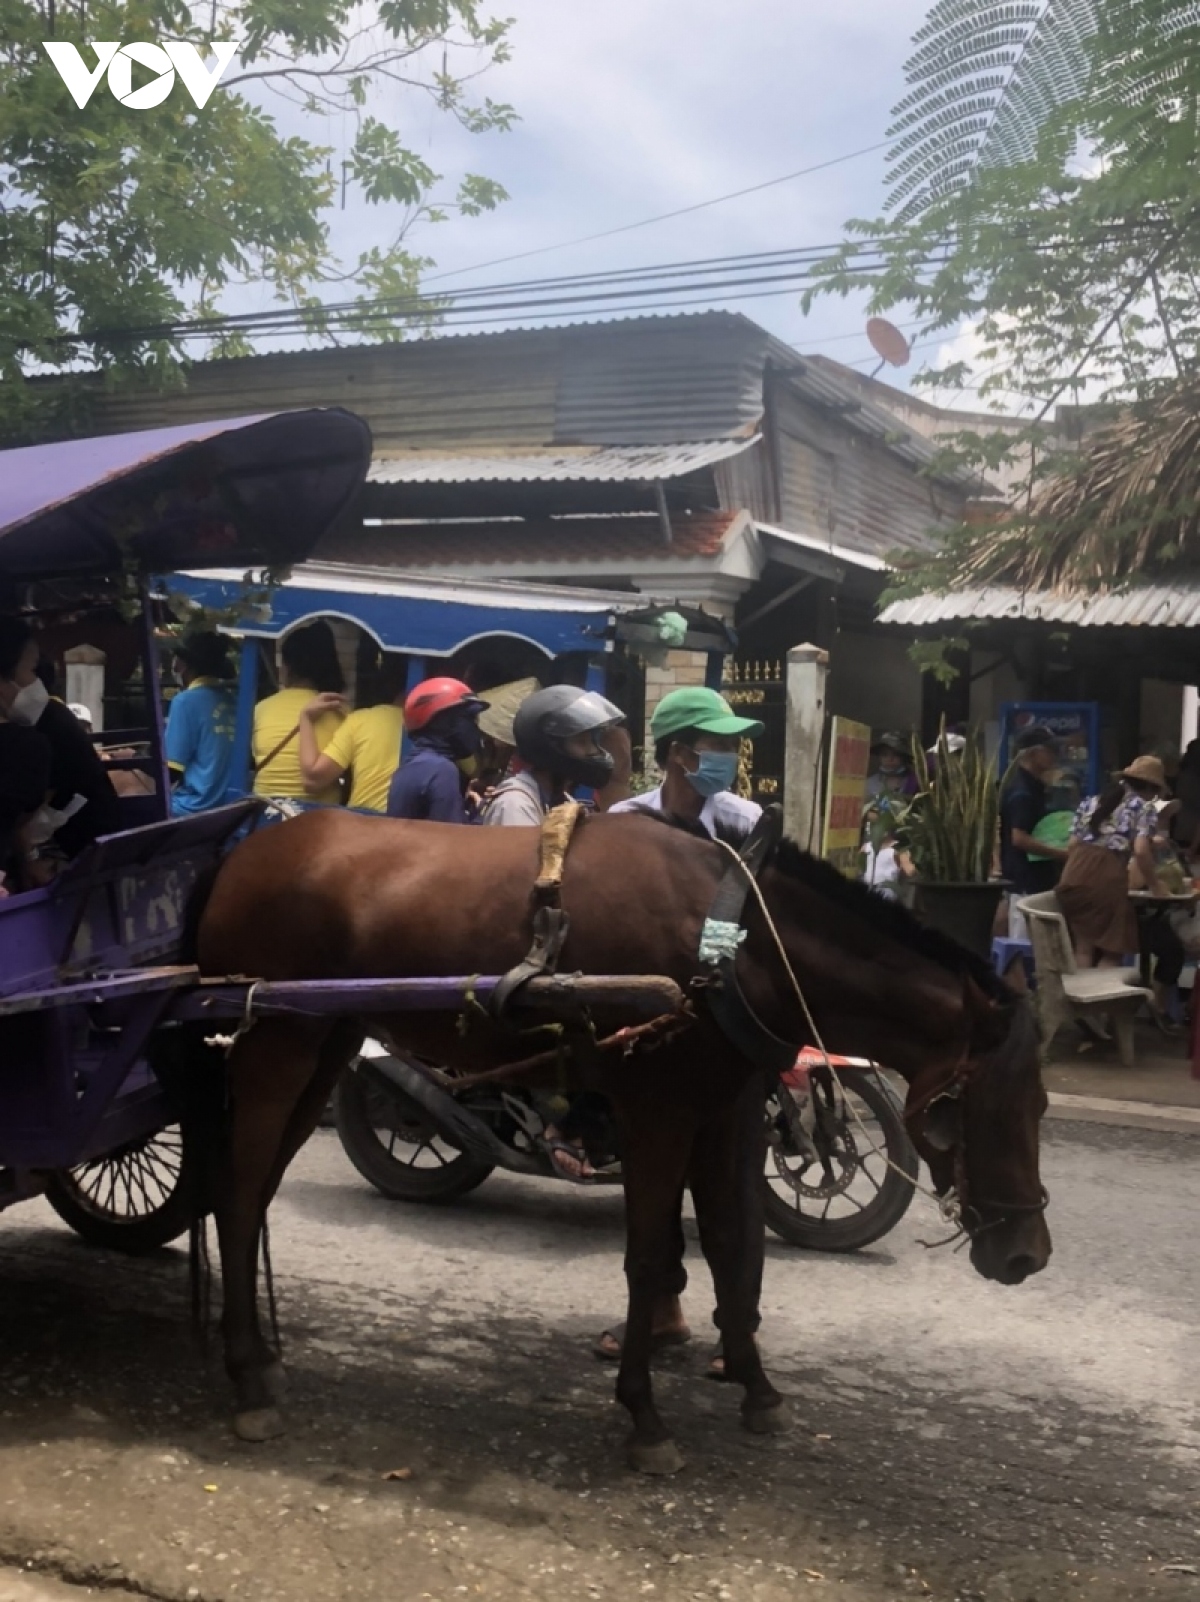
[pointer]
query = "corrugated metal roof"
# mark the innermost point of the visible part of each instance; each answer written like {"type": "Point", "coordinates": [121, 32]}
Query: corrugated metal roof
{"type": "Point", "coordinates": [1155, 606]}
{"type": "Point", "coordinates": [820, 547]}
{"type": "Point", "coordinates": [593, 464]}
{"type": "Point", "coordinates": [605, 544]}
{"type": "Point", "coordinates": [347, 578]}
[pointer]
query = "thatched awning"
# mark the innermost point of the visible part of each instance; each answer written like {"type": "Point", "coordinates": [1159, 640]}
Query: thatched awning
{"type": "Point", "coordinates": [1128, 509]}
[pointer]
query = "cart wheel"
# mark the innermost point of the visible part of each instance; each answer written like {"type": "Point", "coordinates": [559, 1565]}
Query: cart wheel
{"type": "Point", "coordinates": [839, 1194]}
{"type": "Point", "coordinates": [136, 1200]}
{"type": "Point", "coordinates": [393, 1144]}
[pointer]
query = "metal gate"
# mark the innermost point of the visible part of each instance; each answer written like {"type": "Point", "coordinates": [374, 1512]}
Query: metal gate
{"type": "Point", "coordinates": [759, 690]}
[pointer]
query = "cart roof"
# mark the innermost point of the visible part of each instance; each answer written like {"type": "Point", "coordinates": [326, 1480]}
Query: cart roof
{"type": "Point", "coordinates": [238, 492]}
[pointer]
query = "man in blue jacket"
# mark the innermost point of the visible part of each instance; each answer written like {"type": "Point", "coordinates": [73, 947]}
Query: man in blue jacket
{"type": "Point", "coordinates": [441, 717]}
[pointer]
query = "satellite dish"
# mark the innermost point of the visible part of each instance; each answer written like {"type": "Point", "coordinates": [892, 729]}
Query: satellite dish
{"type": "Point", "coordinates": [888, 343]}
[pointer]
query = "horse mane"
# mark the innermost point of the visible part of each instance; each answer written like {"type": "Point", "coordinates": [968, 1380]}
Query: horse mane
{"type": "Point", "coordinates": [859, 900]}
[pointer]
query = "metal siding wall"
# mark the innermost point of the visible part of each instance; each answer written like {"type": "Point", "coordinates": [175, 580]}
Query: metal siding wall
{"type": "Point", "coordinates": [846, 488]}
{"type": "Point", "coordinates": [648, 384]}
{"type": "Point", "coordinates": [744, 483]}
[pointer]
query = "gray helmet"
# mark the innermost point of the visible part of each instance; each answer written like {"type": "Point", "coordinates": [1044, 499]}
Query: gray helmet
{"type": "Point", "coordinates": [546, 720]}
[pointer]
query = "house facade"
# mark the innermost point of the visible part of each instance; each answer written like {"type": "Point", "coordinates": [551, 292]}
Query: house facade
{"type": "Point", "coordinates": [694, 458]}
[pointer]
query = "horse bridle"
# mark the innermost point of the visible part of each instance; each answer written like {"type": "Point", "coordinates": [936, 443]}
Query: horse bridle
{"type": "Point", "coordinates": [957, 1204]}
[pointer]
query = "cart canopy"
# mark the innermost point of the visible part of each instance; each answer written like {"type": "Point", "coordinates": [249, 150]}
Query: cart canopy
{"type": "Point", "coordinates": [238, 492]}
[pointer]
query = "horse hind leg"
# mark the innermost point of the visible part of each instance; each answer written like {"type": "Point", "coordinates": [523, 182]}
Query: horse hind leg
{"type": "Point", "coordinates": [271, 1068]}
{"type": "Point", "coordinates": [726, 1181]}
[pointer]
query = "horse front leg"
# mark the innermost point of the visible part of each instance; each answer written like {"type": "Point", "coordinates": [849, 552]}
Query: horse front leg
{"type": "Point", "coordinates": [270, 1069]}
{"type": "Point", "coordinates": [726, 1179]}
{"type": "Point", "coordinates": [654, 1159]}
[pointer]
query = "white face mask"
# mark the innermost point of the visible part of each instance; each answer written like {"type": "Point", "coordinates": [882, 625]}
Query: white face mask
{"type": "Point", "coordinates": [29, 703]}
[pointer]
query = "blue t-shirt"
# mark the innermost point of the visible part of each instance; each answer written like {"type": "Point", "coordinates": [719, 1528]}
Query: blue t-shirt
{"type": "Point", "coordinates": [200, 746]}
{"type": "Point", "coordinates": [427, 785]}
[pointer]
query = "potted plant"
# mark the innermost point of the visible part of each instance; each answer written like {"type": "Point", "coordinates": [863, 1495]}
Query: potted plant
{"type": "Point", "coordinates": [950, 830]}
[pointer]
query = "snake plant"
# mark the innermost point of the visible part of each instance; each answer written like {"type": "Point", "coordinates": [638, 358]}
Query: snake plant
{"type": "Point", "coordinates": [950, 828]}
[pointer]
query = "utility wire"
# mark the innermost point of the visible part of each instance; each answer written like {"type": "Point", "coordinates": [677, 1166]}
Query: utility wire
{"type": "Point", "coordinates": [666, 216]}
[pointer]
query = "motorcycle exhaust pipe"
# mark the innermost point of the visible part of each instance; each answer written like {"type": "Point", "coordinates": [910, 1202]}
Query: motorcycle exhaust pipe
{"type": "Point", "coordinates": [453, 1121]}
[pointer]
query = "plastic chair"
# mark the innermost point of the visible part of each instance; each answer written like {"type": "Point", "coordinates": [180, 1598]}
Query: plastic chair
{"type": "Point", "coordinates": [1064, 992]}
{"type": "Point", "coordinates": [1005, 952]}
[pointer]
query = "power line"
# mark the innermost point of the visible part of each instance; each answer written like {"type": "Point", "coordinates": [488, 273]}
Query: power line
{"type": "Point", "coordinates": [666, 216]}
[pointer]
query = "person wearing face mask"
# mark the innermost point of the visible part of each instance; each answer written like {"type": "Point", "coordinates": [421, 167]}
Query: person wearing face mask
{"type": "Point", "coordinates": [441, 718]}
{"type": "Point", "coordinates": [556, 732]}
{"type": "Point", "coordinates": [81, 803]}
{"type": "Point", "coordinates": [697, 738]}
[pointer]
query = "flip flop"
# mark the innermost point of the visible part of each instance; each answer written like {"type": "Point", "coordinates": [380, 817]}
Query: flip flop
{"type": "Point", "coordinates": [575, 1153]}
{"type": "Point", "coordinates": [658, 1343]}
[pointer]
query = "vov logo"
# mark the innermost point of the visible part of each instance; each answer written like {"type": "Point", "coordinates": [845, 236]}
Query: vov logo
{"type": "Point", "coordinates": [163, 60]}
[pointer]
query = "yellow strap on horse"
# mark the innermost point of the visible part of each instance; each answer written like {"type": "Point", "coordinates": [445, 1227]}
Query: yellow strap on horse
{"type": "Point", "coordinates": [558, 829]}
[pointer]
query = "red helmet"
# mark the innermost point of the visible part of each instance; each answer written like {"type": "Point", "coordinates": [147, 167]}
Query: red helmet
{"type": "Point", "coordinates": [432, 696]}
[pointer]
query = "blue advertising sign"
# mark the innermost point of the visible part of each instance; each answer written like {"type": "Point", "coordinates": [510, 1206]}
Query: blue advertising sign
{"type": "Point", "coordinates": [1076, 729]}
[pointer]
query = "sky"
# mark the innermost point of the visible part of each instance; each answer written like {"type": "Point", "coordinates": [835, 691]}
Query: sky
{"type": "Point", "coordinates": [629, 109]}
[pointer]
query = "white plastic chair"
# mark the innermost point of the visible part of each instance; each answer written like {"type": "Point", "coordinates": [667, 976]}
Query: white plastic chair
{"type": "Point", "coordinates": [1064, 992]}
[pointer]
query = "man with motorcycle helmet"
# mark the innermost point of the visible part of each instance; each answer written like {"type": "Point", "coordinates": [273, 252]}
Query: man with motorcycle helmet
{"type": "Point", "coordinates": [556, 732]}
{"type": "Point", "coordinates": [441, 719]}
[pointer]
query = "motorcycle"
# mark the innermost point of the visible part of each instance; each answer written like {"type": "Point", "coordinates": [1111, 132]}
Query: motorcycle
{"type": "Point", "coordinates": [839, 1172]}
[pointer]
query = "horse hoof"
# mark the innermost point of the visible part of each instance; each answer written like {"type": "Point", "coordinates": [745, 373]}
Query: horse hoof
{"type": "Point", "coordinates": [765, 1420]}
{"type": "Point", "coordinates": [259, 1424]}
{"type": "Point", "coordinates": [654, 1457]}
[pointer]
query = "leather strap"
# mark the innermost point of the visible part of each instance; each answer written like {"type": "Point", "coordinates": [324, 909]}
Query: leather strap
{"type": "Point", "coordinates": [727, 1004]}
{"type": "Point", "coordinates": [550, 923]}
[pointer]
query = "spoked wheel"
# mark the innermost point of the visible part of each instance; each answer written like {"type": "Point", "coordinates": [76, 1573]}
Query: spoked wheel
{"type": "Point", "coordinates": [828, 1184]}
{"type": "Point", "coordinates": [392, 1142]}
{"type": "Point", "coordinates": [135, 1200]}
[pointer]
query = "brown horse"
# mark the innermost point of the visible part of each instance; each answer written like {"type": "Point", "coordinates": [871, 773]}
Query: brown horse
{"type": "Point", "coordinates": [334, 895]}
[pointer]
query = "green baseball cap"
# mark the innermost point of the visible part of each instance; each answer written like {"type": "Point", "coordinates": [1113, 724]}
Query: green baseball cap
{"type": "Point", "coordinates": [699, 709]}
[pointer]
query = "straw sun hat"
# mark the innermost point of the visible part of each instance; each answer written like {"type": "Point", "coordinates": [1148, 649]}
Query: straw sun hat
{"type": "Point", "coordinates": [1146, 770]}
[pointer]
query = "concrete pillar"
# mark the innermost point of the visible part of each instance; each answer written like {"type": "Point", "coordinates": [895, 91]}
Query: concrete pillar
{"type": "Point", "coordinates": [85, 680]}
{"type": "Point", "coordinates": [673, 671]}
{"type": "Point", "coordinates": [807, 670]}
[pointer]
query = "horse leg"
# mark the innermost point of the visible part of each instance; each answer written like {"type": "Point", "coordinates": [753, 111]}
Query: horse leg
{"type": "Point", "coordinates": [654, 1154]}
{"type": "Point", "coordinates": [726, 1179]}
{"type": "Point", "coordinates": [336, 1052]}
{"type": "Point", "coordinates": [269, 1070]}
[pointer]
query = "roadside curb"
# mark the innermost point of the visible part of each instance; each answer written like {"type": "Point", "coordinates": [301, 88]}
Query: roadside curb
{"type": "Point", "coordinates": [1124, 1114]}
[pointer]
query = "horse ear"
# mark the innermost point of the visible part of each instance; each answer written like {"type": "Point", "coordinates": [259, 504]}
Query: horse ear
{"type": "Point", "coordinates": [989, 1017]}
{"type": "Point", "coordinates": [939, 1127]}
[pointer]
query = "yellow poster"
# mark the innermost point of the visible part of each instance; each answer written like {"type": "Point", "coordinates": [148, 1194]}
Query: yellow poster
{"type": "Point", "coordinates": [849, 760]}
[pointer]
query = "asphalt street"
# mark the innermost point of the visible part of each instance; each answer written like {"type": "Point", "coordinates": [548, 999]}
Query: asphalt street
{"type": "Point", "coordinates": [452, 1435]}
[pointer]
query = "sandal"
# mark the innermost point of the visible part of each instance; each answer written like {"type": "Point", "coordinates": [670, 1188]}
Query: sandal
{"type": "Point", "coordinates": [556, 1148]}
{"type": "Point", "coordinates": [616, 1337]}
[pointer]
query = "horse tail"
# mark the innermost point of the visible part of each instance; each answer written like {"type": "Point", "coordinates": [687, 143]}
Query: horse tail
{"type": "Point", "coordinates": [193, 910]}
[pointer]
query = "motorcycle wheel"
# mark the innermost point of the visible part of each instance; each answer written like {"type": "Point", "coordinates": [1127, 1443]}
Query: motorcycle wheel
{"type": "Point", "coordinates": [394, 1145]}
{"type": "Point", "coordinates": [865, 1198]}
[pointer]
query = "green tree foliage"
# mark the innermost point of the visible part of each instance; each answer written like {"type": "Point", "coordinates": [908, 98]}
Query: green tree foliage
{"type": "Point", "coordinates": [1045, 194]}
{"type": "Point", "coordinates": [115, 223]}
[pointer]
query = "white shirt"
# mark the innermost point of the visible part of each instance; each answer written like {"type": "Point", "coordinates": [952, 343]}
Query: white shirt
{"type": "Point", "coordinates": [735, 816]}
{"type": "Point", "coordinates": [517, 800]}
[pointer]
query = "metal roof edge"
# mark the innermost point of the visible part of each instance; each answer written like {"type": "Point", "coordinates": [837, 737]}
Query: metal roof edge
{"type": "Point", "coordinates": [837, 553]}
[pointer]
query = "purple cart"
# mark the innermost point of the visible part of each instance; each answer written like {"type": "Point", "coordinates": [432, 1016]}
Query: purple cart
{"type": "Point", "coordinates": [90, 969]}
{"type": "Point", "coordinates": [103, 1108]}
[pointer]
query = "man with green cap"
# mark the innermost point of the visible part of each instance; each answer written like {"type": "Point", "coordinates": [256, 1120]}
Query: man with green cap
{"type": "Point", "coordinates": [697, 737]}
{"type": "Point", "coordinates": [697, 741]}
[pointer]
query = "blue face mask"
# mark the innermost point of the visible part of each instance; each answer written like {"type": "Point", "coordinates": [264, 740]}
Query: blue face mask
{"type": "Point", "coordinates": [717, 772]}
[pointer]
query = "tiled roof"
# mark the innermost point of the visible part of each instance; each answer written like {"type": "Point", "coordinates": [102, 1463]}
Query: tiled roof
{"type": "Point", "coordinates": [517, 545]}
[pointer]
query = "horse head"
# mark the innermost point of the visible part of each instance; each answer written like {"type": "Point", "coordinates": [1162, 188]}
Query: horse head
{"type": "Point", "coordinates": [977, 1129]}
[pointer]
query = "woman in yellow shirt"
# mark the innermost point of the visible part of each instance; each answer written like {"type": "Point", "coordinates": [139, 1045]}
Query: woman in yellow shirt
{"type": "Point", "coordinates": [367, 743]}
{"type": "Point", "coordinates": [310, 667]}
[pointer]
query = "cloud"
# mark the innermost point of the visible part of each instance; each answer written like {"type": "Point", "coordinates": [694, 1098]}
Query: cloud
{"type": "Point", "coordinates": [630, 109]}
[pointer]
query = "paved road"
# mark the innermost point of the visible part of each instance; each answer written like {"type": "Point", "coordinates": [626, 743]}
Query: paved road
{"type": "Point", "coordinates": [951, 1439]}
